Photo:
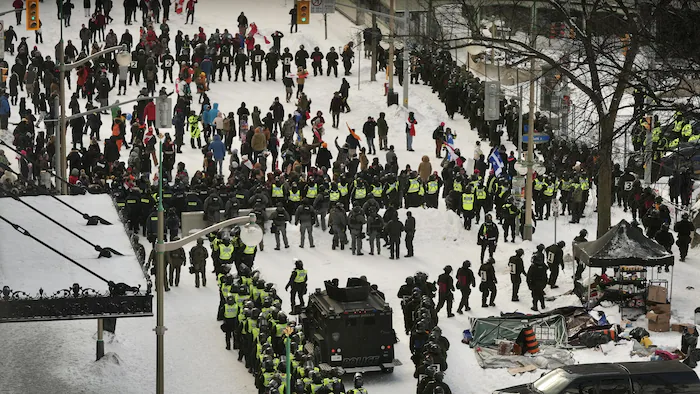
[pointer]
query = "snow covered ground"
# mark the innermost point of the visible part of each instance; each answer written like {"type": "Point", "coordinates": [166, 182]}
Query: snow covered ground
{"type": "Point", "coordinates": [58, 356]}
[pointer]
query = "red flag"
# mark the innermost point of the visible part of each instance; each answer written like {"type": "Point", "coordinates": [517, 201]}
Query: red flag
{"type": "Point", "coordinates": [254, 32]}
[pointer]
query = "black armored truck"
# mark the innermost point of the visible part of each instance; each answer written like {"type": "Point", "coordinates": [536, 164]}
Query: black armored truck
{"type": "Point", "coordinates": [350, 327]}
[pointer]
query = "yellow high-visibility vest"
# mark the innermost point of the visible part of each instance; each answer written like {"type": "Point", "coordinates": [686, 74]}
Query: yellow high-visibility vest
{"type": "Point", "coordinates": [249, 249]}
{"type": "Point", "coordinates": [360, 193]}
{"type": "Point", "coordinates": [414, 186]}
{"type": "Point", "coordinates": [277, 191]}
{"type": "Point", "coordinates": [468, 201]}
{"type": "Point", "coordinates": [687, 130]}
{"type": "Point", "coordinates": [377, 191]}
{"type": "Point", "coordinates": [301, 276]}
{"type": "Point", "coordinates": [312, 191]}
{"type": "Point", "coordinates": [343, 189]}
{"type": "Point", "coordinates": [432, 187]}
{"type": "Point", "coordinates": [334, 195]}
{"type": "Point", "coordinates": [295, 196]}
{"type": "Point", "coordinates": [457, 186]}
{"type": "Point", "coordinates": [225, 252]}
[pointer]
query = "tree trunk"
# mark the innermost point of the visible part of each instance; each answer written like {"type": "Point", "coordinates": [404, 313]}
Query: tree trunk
{"type": "Point", "coordinates": [604, 188]}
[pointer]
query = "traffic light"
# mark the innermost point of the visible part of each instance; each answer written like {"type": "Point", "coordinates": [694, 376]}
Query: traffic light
{"type": "Point", "coordinates": [303, 12]}
{"type": "Point", "coordinates": [32, 14]}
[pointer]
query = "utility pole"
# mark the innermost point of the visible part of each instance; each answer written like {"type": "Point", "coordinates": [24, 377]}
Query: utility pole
{"type": "Point", "coordinates": [63, 156]}
{"type": "Point", "coordinates": [527, 230]}
{"type": "Point", "coordinates": [390, 62]}
{"type": "Point", "coordinates": [160, 283]}
{"type": "Point", "coordinates": [373, 67]}
{"type": "Point", "coordinates": [406, 55]}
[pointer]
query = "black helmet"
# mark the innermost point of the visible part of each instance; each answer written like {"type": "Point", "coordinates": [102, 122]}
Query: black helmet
{"type": "Point", "coordinates": [282, 318]}
{"type": "Point", "coordinates": [466, 264]}
{"type": "Point", "coordinates": [583, 232]}
{"type": "Point", "coordinates": [488, 217]}
{"type": "Point", "coordinates": [439, 376]}
{"type": "Point", "coordinates": [438, 389]}
{"type": "Point", "coordinates": [491, 261]}
{"type": "Point", "coordinates": [409, 280]}
{"type": "Point", "coordinates": [358, 380]}
{"type": "Point", "coordinates": [540, 247]}
{"type": "Point", "coordinates": [561, 244]}
{"type": "Point", "coordinates": [299, 264]}
{"type": "Point", "coordinates": [519, 252]}
{"type": "Point", "coordinates": [685, 216]}
{"type": "Point", "coordinates": [315, 377]}
{"type": "Point", "coordinates": [448, 269]}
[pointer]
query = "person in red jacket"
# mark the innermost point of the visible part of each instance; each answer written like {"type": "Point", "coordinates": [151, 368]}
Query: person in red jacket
{"type": "Point", "coordinates": [149, 114]}
{"type": "Point", "coordinates": [190, 10]}
{"type": "Point", "coordinates": [18, 5]}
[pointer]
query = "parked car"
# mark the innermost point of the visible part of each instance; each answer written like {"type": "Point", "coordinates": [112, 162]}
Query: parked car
{"type": "Point", "coordinates": [614, 378]}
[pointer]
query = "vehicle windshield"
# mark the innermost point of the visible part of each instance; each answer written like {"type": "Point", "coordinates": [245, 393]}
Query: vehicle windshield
{"type": "Point", "coordinates": [554, 382]}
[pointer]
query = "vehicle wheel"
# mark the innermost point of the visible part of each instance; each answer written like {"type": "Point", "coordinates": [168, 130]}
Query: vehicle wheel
{"type": "Point", "coordinates": [388, 370]}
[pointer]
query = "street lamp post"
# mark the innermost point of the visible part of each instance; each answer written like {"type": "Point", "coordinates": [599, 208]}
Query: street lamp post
{"type": "Point", "coordinates": [251, 234]}
{"type": "Point", "coordinates": [123, 59]}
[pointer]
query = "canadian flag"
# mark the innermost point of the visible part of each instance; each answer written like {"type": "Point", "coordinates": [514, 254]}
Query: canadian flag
{"type": "Point", "coordinates": [254, 32]}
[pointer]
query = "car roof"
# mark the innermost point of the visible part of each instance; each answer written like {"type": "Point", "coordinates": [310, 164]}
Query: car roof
{"type": "Point", "coordinates": [631, 368]}
{"type": "Point", "coordinates": [655, 367]}
{"type": "Point", "coordinates": [598, 369]}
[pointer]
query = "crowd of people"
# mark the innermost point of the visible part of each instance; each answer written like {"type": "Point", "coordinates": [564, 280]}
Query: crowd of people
{"type": "Point", "coordinates": [280, 166]}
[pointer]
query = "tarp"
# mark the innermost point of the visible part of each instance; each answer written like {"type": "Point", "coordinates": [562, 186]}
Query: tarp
{"type": "Point", "coordinates": [549, 330]}
{"type": "Point", "coordinates": [547, 358]}
{"type": "Point", "coordinates": [623, 244]}
{"type": "Point", "coordinates": [577, 318]}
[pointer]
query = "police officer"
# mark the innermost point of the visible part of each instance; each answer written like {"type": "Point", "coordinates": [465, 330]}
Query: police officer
{"type": "Point", "coordinates": [488, 282]}
{"type": "Point", "coordinates": [465, 282]}
{"type": "Point", "coordinates": [445, 289]}
{"type": "Point", "coordinates": [177, 259]}
{"type": "Point", "coordinates": [224, 61]}
{"type": "Point", "coordinates": [297, 282]}
{"type": "Point", "coordinates": [487, 237]}
{"type": "Point", "coordinates": [468, 198]}
{"type": "Point", "coordinates": [555, 259]}
{"type": "Point", "coordinates": [375, 225]}
{"type": "Point", "coordinates": [241, 61]}
{"type": "Point", "coordinates": [537, 277]}
{"type": "Point", "coordinates": [338, 222]}
{"type": "Point", "coordinates": [580, 267]}
{"type": "Point", "coordinates": [257, 56]}
{"type": "Point", "coordinates": [279, 225]}
{"type": "Point", "coordinates": [305, 217]}
{"type": "Point", "coordinates": [356, 221]}
{"type": "Point", "coordinates": [230, 317]}
{"type": "Point", "coordinates": [409, 227]}
{"type": "Point", "coordinates": [684, 228]}
{"type": "Point", "coordinates": [510, 213]}
{"type": "Point", "coordinates": [198, 259]}
{"type": "Point", "coordinates": [516, 268]}
{"type": "Point", "coordinates": [358, 382]}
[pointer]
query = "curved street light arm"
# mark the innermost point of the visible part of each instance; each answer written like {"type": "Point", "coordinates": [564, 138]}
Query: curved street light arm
{"type": "Point", "coordinates": [169, 246]}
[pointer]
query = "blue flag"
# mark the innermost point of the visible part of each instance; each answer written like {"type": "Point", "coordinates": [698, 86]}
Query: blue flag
{"type": "Point", "coordinates": [496, 162]}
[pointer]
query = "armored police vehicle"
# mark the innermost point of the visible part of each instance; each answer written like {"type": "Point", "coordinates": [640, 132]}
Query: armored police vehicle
{"type": "Point", "coordinates": [350, 327]}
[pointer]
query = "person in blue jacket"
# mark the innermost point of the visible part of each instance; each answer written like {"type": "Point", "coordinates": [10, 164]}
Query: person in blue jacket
{"type": "Point", "coordinates": [206, 121]}
{"type": "Point", "coordinates": [218, 150]}
{"type": "Point", "coordinates": [4, 111]}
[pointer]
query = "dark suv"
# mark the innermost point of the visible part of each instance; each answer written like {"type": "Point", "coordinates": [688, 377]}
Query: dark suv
{"type": "Point", "coordinates": [653, 377]}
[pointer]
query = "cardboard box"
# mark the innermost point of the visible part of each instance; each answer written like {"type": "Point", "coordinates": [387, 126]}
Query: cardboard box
{"type": "Point", "coordinates": [657, 317]}
{"type": "Point", "coordinates": [657, 294]}
{"type": "Point", "coordinates": [656, 326]}
{"type": "Point", "coordinates": [679, 327]}
{"type": "Point", "coordinates": [660, 309]}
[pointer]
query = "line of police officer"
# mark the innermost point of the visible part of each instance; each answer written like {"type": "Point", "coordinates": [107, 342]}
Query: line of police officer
{"type": "Point", "coordinates": [428, 346]}
{"type": "Point", "coordinates": [256, 326]}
